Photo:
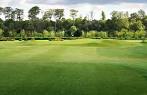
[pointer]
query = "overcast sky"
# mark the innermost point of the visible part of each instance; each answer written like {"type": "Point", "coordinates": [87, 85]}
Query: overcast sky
{"type": "Point", "coordinates": [84, 6]}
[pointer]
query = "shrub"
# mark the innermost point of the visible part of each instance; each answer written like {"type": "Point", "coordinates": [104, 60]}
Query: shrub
{"type": "Point", "coordinates": [3, 39]}
{"type": "Point", "coordinates": [73, 29]}
{"type": "Point", "coordinates": [36, 35]}
{"type": "Point", "coordinates": [78, 33]}
{"type": "Point", "coordinates": [52, 34]}
{"type": "Point", "coordinates": [139, 34]}
{"type": "Point", "coordinates": [129, 35]}
{"type": "Point", "coordinates": [1, 32]}
{"type": "Point", "coordinates": [96, 34]}
{"type": "Point", "coordinates": [120, 35]}
{"type": "Point", "coordinates": [91, 34]}
{"type": "Point", "coordinates": [60, 34]}
{"type": "Point", "coordinates": [102, 34]}
{"type": "Point", "coordinates": [125, 34]}
{"type": "Point", "coordinates": [45, 34]}
{"type": "Point", "coordinates": [83, 34]}
{"type": "Point", "coordinates": [22, 34]}
{"type": "Point", "coordinates": [7, 39]}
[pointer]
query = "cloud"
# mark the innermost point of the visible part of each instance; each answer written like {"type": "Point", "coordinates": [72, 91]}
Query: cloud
{"type": "Point", "coordinates": [84, 1]}
{"type": "Point", "coordinates": [84, 6]}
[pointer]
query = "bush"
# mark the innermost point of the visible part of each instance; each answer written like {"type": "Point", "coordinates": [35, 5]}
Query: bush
{"type": "Point", "coordinates": [7, 39]}
{"type": "Point", "coordinates": [102, 34]}
{"type": "Point", "coordinates": [22, 34]}
{"type": "Point", "coordinates": [96, 34]}
{"type": "Point", "coordinates": [120, 35]}
{"type": "Point", "coordinates": [19, 39]}
{"type": "Point", "coordinates": [3, 39]}
{"type": "Point", "coordinates": [125, 34]}
{"type": "Point", "coordinates": [45, 34]}
{"type": "Point", "coordinates": [67, 33]}
{"type": "Point", "coordinates": [52, 34]}
{"type": "Point", "coordinates": [83, 34]}
{"type": "Point", "coordinates": [129, 35]}
{"type": "Point", "coordinates": [73, 29]}
{"type": "Point", "coordinates": [91, 34]}
{"type": "Point", "coordinates": [36, 35]}
{"type": "Point", "coordinates": [78, 33]}
{"type": "Point", "coordinates": [1, 32]}
{"type": "Point", "coordinates": [139, 34]}
{"type": "Point", "coordinates": [60, 34]}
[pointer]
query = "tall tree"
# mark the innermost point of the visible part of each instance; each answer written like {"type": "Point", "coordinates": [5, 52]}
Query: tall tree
{"type": "Point", "coordinates": [58, 15]}
{"type": "Point", "coordinates": [19, 14]}
{"type": "Point", "coordinates": [141, 13]}
{"type": "Point", "coordinates": [13, 16]}
{"type": "Point", "coordinates": [134, 16]}
{"type": "Point", "coordinates": [145, 22]}
{"type": "Point", "coordinates": [8, 12]}
{"type": "Point", "coordinates": [1, 10]}
{"type": "Point", "coordinates": [103, 15]}
{"type": "Point", "coordinates": [119, 15]}
{"type": "Point", "coordinates": [73, 14]}
{"type": "Point", "coordinates": [92, 15]}
{"type": "Point", "coordinates": [115, 15]}
{"type": "Point", "coordinates": [33, 12]}
{"type": "Point", "coordinates": [29, 28]}
{"type": "Point", "coordinates": [137, 25]}
{"type": "Point", "coordinates": [48, 14]}
{"type": "Point", "coordinates": [119, 21]}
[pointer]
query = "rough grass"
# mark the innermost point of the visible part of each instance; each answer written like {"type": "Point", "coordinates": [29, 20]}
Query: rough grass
{"type": "Point", "coordinates": [77, 67]}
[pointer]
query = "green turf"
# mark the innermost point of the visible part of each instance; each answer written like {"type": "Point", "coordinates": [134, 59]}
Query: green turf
{"type": "Point", "coordinates": [76, 67]}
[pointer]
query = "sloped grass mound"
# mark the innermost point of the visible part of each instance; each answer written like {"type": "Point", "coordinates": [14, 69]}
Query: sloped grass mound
{"type": "Point", "coordinates": [101, 43]}
{"type": "Point", "coordinates": [79, 42]}
{"type": "Point", "coordinates": [124, 51]}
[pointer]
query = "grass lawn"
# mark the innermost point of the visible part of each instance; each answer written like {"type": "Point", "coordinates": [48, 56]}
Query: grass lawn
{"type": "Point", "coordinates": [76, 67]}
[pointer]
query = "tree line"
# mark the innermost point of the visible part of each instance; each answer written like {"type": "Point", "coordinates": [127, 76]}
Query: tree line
{"type": "Point", "coordinates": [121, 25]}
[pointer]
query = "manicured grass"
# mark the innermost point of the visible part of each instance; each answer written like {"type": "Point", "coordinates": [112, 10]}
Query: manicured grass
{"type": "Point", "coordinates": [76, 67]}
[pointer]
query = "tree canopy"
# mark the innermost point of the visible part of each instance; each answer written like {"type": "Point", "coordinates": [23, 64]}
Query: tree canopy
{"type": "Point", "coordinates": [53, 21]}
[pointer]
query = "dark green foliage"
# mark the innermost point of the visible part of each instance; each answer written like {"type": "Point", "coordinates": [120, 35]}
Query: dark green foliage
{"type": "Point", "coordinates": [76, 27]}
{"type": "Point", "coordinates": [33, 12]}
{"type": "Point", "coordinates": [78, 33]}
{"type": "Point", "coordinates": [103, 15]}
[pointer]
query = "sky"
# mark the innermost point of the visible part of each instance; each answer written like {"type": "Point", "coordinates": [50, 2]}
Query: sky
{"type": "Point", "coordinates": [83, 6]}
